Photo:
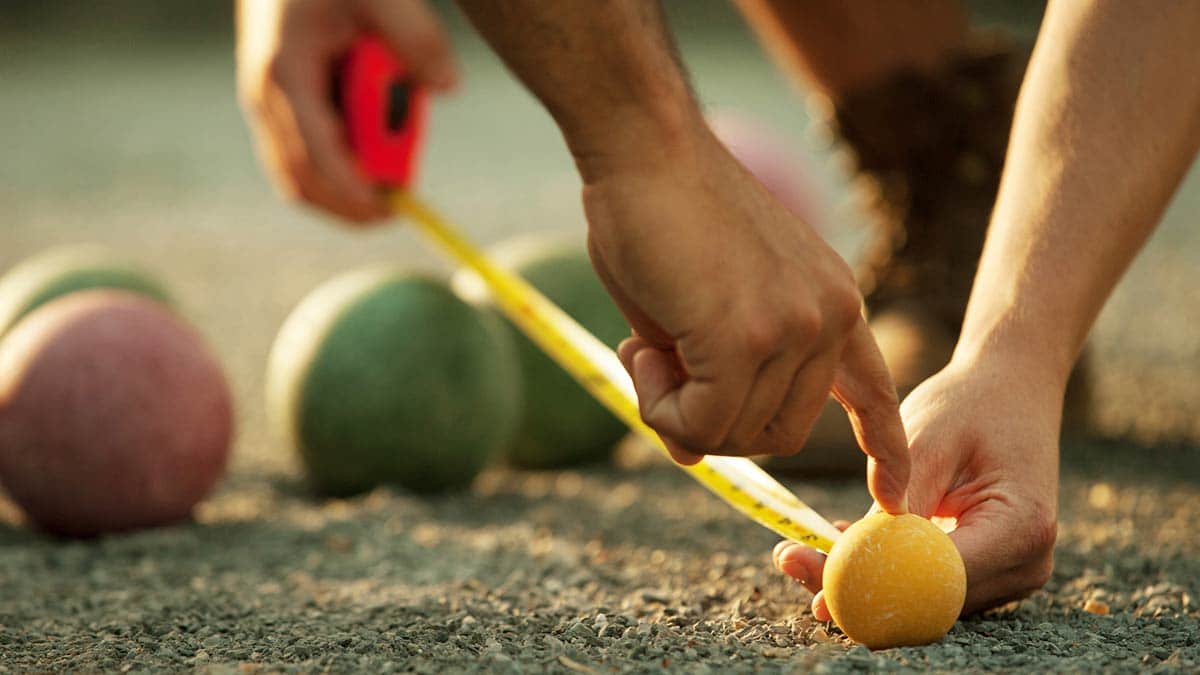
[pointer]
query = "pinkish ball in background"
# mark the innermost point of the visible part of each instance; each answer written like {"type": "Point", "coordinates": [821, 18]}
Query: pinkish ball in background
{"type": "Point", "coordinates": [771, 157]}
{"type": "Point", "coordinates": [113, 415]}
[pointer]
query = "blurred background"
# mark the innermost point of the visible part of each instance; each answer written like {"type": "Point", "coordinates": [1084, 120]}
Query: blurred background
{"type": "Point", "coordinates": [119, 125]}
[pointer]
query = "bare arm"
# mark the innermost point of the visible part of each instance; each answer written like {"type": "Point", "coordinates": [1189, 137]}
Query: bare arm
{"type": "Point", "coordinates": [605, 71]}
{"type": "Point", "coordinates": [744, 319]}
{"type": "Point", "coordinates": [1107, 124]}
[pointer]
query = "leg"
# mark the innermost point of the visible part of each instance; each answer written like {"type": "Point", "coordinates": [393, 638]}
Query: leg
{"type": "Point", "coordinates": [835, 46]}
{"type": "Point", "coordinates": [925, 108]}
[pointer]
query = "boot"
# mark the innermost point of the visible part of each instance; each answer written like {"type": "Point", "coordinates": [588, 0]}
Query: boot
{"type": "Point", "coordinates": [929, 149]}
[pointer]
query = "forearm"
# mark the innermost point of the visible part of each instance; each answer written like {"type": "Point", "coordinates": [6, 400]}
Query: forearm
{"type": "Point", "coordinates": [1107, 124]}
{"type": "Point", "coordinates": [606, 72]}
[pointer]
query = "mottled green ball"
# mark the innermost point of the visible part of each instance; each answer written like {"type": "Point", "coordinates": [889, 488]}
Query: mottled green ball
{"type": "Point", "coordinates": [562, 425]}
{"type": "Point", "coordinates": [386, 377]}
{"type": "Point", "coordinates": [66, 270]}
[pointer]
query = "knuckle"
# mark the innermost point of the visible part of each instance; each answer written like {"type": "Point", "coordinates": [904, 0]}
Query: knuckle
{"type": "Point", "coordinates": [805, 322]}
{"type": "Point", "coordinates": [736, 447]}
{"type": "Point", "coordinates": [729, 450]}
{"type": "Point", "coordinates": [428, 45]}
{"type": "Point", "coordinates": [760, 338]}
{"type": "Point", "coordinates": [783, 436]}
{"type": "Point", "coordinates": [275, 72]}
{"type": "Point", "coordinates": [884, 392]}
{"type": "Point", "coordinates": [848, 314]}
{"type": "Point", "coordinates": [702, 440]}
{"type": "Point", "coordinates": [879, 405]}
{"type": "Point", "coordinates": [786, 443]}
{"type": "Point", "coordinates": [845, 305]}
{"type": "Point", "coordinates": [694, 437]}
{"type": "Point", "coordinates": [1043, 532]}
{"type": "Point", "coordinates": [704, 437]}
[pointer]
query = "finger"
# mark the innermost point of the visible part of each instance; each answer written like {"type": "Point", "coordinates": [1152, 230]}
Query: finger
{"type": "Point", "coordinates": [779, 548]}
{"type": "Point", "coordinates": [864, 388]}
{"type": "Point", "coordinates": [820, 608]}
{"type": "Point", "coordinates": [656, 377]}
{"type": "Point", "coordinates": [807, 562]}
{"type": "Point", "coordinates": [695, 412]}
{"type": "Point", "coordinates": [341, 186]}
{"type": "Point", "coordinates": [764, 403]}
{"type": "Point", "coordinates": [680, 454]}
{"type": "Point", "coordinates": [802, 563]}
{"type": "Point", "coordinates": [626, 351]}
{"type": "Point", "coordinates": [295, 147]}
{"type": "Point", "coordinates": [629, 347]}
{"type": "Point", "coordinates": [414, 32]}
{"type": "Point", "coordinates": [805, 400]}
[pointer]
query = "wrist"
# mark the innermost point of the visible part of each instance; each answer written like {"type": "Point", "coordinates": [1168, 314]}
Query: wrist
{"type": "Point", "coordinates": [1025, 355]}
{"type": "Point", "coordinates": [653, 132]}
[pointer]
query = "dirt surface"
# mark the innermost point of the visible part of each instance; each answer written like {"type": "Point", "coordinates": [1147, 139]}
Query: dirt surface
{"type": "Point", "coordinates": [628, 567]}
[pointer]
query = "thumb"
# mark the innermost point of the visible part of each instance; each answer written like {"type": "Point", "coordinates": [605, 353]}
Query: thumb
{"type": "Point", "coordinates": [864, 388]}
{"type": "Point", "coordinates": [414, 32]}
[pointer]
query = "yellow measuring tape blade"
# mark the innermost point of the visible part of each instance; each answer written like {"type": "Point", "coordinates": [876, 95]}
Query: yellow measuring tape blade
{"type": "Point", "coordinates": [737, 480]}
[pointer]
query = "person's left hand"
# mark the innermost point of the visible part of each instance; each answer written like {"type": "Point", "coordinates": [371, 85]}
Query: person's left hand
{"type": "Point", "coordinates": [984, 446]}
{"type": "Point", "coordinates": [286, 54]}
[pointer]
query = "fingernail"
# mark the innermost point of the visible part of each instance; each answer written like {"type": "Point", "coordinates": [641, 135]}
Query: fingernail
{"type": "Point", "coordinates": [779, 549]}
{"type": "Point", "coordinates": [820, 610]}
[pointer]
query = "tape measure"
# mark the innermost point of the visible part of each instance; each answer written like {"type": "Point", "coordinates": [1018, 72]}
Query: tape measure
{"type": "Point", "coordinates": [385, 115]}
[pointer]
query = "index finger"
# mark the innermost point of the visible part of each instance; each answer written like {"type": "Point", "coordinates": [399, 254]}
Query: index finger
{"type": "Point", "coordinates": [864, 387]}
{"type": "Point", "coordinates": [320, 129]}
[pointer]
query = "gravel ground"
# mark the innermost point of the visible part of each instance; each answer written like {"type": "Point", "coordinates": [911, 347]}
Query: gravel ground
{"type": "Point", "coordinates": [611, 569]}
{"type": "Point", "coordinates": [627, 567]}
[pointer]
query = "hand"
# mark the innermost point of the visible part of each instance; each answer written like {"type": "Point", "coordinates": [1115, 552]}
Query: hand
{"type": "Point", "coordinates": [744, 318]}
{"type": "Point", "coordinates": [984, 446]}
{"type": "Point", "coordinates": [286, 53]}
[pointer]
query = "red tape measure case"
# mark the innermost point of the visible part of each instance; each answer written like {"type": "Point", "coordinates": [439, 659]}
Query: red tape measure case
{"type": "Point", "coordinates": [384, 110]}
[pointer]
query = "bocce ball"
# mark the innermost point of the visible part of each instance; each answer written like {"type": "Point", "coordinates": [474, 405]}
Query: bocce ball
{"type": "Point", "coordinates": [65, 270]}
{"type": "Point", "coordinates": [113, 415]}
{"type": "Point", "coordinates": [562, 425]}
{"type": "Point", "coordinates": [893, 581]}
{"type": "Point", "coordinates": [383, 376]}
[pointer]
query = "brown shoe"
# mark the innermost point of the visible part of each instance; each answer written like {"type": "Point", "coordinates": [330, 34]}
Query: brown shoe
{"type": "Point", "coordinates": [929, 150]}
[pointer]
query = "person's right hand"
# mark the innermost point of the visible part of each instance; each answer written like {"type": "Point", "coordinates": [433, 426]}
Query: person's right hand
{"type": "Point", "coordinates": [744, 318]}
{"type": "Point", "coordinates": [286, 54]}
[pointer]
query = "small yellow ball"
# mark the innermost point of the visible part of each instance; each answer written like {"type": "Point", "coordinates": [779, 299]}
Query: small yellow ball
{"type": "Point", "coordinates": [894, 581]}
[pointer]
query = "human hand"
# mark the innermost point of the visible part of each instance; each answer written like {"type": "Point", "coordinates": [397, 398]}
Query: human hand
{"type": "Point", "coordinates": [744, 318]}
{"type": "Point", "coordinates": [984, 446]}
{"type": "Point", "coordinates": [286, 54]}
